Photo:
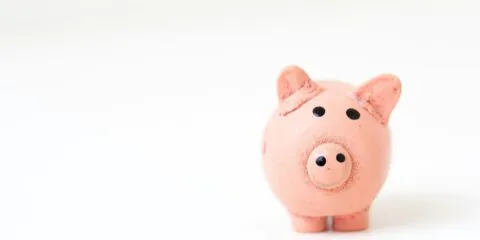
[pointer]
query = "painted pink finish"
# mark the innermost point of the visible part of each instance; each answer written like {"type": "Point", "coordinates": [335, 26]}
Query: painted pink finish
{"type": "Point", "coordinates": [301, 149]}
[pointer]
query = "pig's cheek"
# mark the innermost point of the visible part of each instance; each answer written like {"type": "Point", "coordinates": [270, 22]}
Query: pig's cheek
{"type": "Point", "coordinates": [264, 148]}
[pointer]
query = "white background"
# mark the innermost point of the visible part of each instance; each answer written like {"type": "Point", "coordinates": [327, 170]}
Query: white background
{"type": "Point", "coordinates": [143, 119]}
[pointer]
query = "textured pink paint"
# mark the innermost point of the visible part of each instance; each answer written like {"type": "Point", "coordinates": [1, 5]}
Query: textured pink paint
{"type": "Point", "coordinates": [294, 138]}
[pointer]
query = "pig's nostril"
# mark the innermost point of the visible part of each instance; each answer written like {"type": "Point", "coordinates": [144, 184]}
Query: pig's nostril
{"type": "Point", "coordinates": [321, 161]}
{"type": "Point", "coordinates": [340, 157]}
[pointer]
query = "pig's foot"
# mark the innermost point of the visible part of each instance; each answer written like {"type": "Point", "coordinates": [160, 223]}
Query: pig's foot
{"type": "Point", "coordinates": [304, 224]}
{"type": "Point", "coordinates": [353, 222]}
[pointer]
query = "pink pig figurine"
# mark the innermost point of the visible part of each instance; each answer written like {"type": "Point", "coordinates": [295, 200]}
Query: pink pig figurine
{"type": "Point", "coordinates": [326, 148]}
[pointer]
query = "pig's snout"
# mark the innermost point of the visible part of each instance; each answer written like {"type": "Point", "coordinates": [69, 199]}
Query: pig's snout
{"type": "Point", "coordinates": [329, 166]}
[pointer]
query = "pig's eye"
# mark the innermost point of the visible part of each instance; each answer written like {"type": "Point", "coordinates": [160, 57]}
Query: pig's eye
{"type": "Point", "coordinates": [318, 111]}
{"type": "Point", "coordinates": [353, 114]}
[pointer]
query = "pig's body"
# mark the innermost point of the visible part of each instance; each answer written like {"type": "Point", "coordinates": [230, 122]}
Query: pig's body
{"type": "Point", "coordinates": [326, 148]}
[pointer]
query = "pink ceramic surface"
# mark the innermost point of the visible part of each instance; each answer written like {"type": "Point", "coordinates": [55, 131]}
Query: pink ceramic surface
{"type": "Point", "coordinates": [326, 148]}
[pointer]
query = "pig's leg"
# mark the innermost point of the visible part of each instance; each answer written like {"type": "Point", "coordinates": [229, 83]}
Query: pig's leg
{"type": "Point", "coordinates": [304, 224]}
{"type": "Point", "coordinates": [353, 222]}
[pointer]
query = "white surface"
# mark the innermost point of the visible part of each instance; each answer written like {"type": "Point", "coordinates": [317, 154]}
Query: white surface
{"type": "Point", "coordinates": [142, 119]}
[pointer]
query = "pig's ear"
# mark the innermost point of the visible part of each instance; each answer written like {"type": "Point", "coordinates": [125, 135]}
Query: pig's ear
{"type": "Point", "coordinates": [291, 80]}
{"type": "Point", "coordinates": [381, 94]}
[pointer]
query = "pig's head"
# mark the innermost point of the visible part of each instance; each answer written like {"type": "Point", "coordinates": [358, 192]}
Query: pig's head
{"type": "Point", "coordinates": [326, 148]}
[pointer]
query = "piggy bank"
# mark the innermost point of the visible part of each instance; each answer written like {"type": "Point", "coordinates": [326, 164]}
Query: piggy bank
{"type": "Point", "coordinates": [326, 148]}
